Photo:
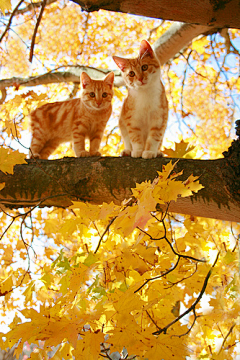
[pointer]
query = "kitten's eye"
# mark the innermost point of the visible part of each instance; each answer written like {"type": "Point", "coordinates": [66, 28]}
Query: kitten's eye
{"type": "Point", "coordinates": [92, 94]}
{"type": "Point", "coordinates": [104, 95]}
{"type": "Point", "coordinates": [144, 67]}
{"type": "Point", "coordinates": [131, 73]}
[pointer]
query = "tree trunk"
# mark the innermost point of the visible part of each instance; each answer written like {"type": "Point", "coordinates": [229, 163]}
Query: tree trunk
{"type": "Point", "coordinates": [216, 13]}
{"type": "Point", "coordinates": [105, 179]}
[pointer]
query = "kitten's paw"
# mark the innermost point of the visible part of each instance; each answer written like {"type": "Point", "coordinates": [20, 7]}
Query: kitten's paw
{"type": "Point", "coordinates": [34, 156]}
{"type": "Point", "coordinates": [126, 152]}
{"type": "Point", "coordinates": [160, 154]}
{"type": "Point", "coordinates": [147, 154]}
{"type": "Point", "coordinates": [83, 153]}
{"type": "Point", "coordinates": [136, 153]}
{"type": "Point", "coordinates": [95, 153]}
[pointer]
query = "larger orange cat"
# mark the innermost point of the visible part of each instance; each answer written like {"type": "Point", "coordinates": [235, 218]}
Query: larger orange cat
{"type": "Point", "coordinates": [144, 115]}
{"type": "Point", "coordinates": [74, 120]}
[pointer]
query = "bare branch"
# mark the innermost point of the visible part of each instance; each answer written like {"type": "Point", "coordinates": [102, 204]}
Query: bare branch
{"type": "Point", "coordinates": [159, 276]}
{"type": "Point", "coordinates": [178, 36]}
{"type": "Point", "coordinates": [171, 42]}
{"type": "Point", "coordinates": [105, 231]}
{"type": "Point", "coordinates": [30, 7]}
{"type": "Point", "coordinates": [225, 338]}
{"type": "Point", "coordinates": [193, 306]}
{"type": "Point", "coordinates": [53, 77]}
{"type": "Point", "coordinates": [225, 34]}
{"type": "Point", "coordinates": [10, 20]}
{"type": "Point", "coordinates": [36, 29]}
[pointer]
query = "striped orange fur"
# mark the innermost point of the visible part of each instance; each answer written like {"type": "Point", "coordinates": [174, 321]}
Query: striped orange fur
{"type": "Point", "coordinates": [144, 114]}
{"type": "Point", "coordinates": [74, 120]}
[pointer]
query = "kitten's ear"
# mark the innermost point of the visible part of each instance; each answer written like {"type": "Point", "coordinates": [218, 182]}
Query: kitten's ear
{"type": "Point", "coordinates": [145, 49]}
{"type": "Point", "coordinates": [109, 79]}
{"type": "Point", "coordinates": [85, 79]}
{"type": "Point", "coordinates": [121, 62]}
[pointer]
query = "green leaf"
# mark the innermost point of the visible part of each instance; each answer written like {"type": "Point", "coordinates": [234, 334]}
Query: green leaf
{"type": "Point", "coordinates": [91, 259]}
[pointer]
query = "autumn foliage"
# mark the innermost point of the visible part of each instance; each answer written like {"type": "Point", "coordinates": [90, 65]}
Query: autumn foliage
{"type": "Point", "coordinates": [119, 281]}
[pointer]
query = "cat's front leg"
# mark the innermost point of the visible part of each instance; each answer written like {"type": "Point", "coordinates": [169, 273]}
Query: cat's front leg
{"type": "Point", "coordinates": [151, 149]}
{"type": "Point", "coordinates": [135, 135]}
{"type": "Point", "coordinates": [132, 137]}
{"type": "Point", "coordinates": [79, 145]}
{"type": "Point", "coordinates": [95, 141]}
{"type": "Point", "coordinates": [127, 144]}
{"type": "Point", "coordinates": [153, 143]}
{"type": "Point", "coordinates": [137, 151]}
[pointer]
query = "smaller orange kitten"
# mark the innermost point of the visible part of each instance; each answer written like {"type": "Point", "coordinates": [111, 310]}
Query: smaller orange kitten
{"type": "Point", "coordinates": [144, 115]}
{"type": "Point", "coordinates": [74, 120]}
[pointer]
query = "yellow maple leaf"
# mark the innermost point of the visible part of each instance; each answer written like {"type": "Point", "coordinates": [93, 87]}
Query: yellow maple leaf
{"type": "Point", "coordinates": [193, 185]}
{"type": "Point", "coordinates": [118, 93]}
{"type": "Point", "coordinates": [181, 150]}
{"type": "Point", "coordinates": [2, 185]}
{"type": "Point", "coordinates": [147, 253]}
{"type": "Point", "coordinates": [168, 347]}
{"type": "Point", "coordinates": [6, 285]}
{"type": "Point", "coordinates": [166, 171]}
{"type": "Point", "coordinates": [9, 160]}
{"type": "Point", "coordinates": [128, 302]}
{"type": "Point", "coordinates": [108, 211]}
{"type": "Point", "coordinates": [89, 346]}
{"type": "Point", "coordinates": [5, 5]}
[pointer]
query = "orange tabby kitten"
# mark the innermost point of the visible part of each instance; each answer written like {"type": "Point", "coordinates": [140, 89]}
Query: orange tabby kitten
{"type": "Point", "coordinates": [144, 115]}
{"type": "Point", "coordinates": [74, 120]}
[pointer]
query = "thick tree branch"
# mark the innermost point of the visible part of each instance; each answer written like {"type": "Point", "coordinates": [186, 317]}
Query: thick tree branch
{"type": "Point", "coordinates": [106, 179]}
{"type": "Point", "coordinates": [73, 75]}
{"type": "Point", "coordinates": [177, 37]}
{"type": "Point", "coordinates": [167, 46]}
{"type": "Point", "coordinates": [217, 13]}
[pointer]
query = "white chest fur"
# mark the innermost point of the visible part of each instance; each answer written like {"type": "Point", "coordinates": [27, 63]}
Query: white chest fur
{"type": "Point", "coordinates": [146, 103]}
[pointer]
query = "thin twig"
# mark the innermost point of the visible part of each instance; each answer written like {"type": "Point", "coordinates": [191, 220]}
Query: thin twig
{"type": "Point", "coordinates": [194, 320]}
{"type": "Point", "coordinates": [30, 7]}
{"type": "Point", "coordinates": [36, 29]}
{"type": "Point", "coordinates": [105, 231]}
{"type": "Point", "coordinates": [158, 276]}
{"type": "Point", "coordinates": [10, 20]}
{"type": "Point", "coordinates": [193, 306]}
{"type": "Point", "coordinates": [236, 239]}
{"type": "Point", "coordinates": [39, 202]}
{"type": "Point", "coordinates": [153, 321]}
{"type": "Point", "coordinates": [187, 277]}
{"type": "Point", "coordinates": [153, 30]}
{"type": "Point", "coordinates": [196, 72]}
{"type": "Point", "coordinates": [224, 340]}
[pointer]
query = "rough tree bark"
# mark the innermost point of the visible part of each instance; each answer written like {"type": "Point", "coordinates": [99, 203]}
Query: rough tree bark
{"type": "Point", "coordinates": [217, 13]}
{"type": "Point", "coordinates": [106, 179]}
{"type": "Point", "coordinates": [98, 180]}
